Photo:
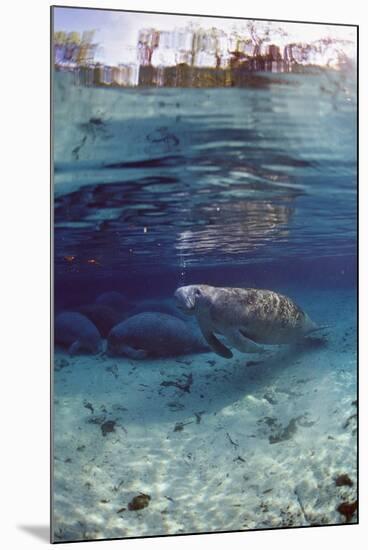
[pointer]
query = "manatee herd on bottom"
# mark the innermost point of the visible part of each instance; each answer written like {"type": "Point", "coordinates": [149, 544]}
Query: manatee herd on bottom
{"type": "Point", "coordinates": [245, 319]}
{"type": "Point", "coordinates": [129, 329]}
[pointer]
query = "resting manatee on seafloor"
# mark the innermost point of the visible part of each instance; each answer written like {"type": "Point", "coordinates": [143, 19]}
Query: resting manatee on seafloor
{"type": "Point", "coordinates": [74, 331]}
{"type": "Point", "coordinates": [160, 306]}
{"type": "Point", "coordinates": [153, 334]}
{"type": "Point", "coordinates": [246, 317]}
{"type": "Point", "coordinates": [114, 300]}
{"type": "Point", "coordinates": [103, 317]}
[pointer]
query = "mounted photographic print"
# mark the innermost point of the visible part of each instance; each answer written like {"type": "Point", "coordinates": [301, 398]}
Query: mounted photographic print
{"type": "Point", "coordinates": [204, 188]}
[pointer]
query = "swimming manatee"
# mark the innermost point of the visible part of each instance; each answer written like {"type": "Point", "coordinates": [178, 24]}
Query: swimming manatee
{"type": "Point", "coordinates": [76, 332]}
{"type": "Point", "coordinates": [245, 317]}
{"type": "Point", "coordinates": [153, 334]}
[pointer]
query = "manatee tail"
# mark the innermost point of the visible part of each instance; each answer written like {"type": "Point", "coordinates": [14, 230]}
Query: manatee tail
{"type": "Point", "coordinates": [318, 328]}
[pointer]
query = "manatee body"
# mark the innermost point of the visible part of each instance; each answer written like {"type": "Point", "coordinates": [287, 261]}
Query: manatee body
{"type": "Point", "coordinates": [161, 306]}
{"type": "Point", "coordinates": [153, 334]}
{"type": "Point", "coordinates": [77, 333]}
{"type": "Point", "coordinates": [115, 300]}
{"type": "Point", "coordinates": [103, 317]}
{"type": "Point", "coordinates": [246, 317]}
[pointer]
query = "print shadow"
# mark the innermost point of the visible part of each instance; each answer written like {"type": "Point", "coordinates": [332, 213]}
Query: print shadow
{"type": "Point", "coordinates": [40, 532]}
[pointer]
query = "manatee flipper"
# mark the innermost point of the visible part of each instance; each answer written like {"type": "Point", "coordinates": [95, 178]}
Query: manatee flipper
{"type": "Point", "coordinates": [214, 343]}
{"type": "Point", "coordinates": [74, 348]}
{"type": "Point", "coordinates": [134, 353]}
{"type": "Point", "coordinates": [239, 339]}
{"type": "Point", "coordinates": [250, 345]}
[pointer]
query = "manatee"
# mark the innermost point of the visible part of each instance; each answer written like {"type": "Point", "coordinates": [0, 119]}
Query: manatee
{"type": "Point", "coordinates": [76, 332]}
{"type": "Point", "coordinates": [153, 334]}
{"type": "Point", "coordinates": [245, 317]}
{"type": "Point", "coordinates": [115, 300]}
{"type": "Point", "coordinates": [104, 317]}
{"type": "Point", "coordinates": [162, 306]}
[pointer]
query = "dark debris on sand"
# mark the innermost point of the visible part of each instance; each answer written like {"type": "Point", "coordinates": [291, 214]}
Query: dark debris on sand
{"type": "Point", "coordinates": [253, 363]}
{"type": "Point", "coordinates": [184, 386]}
{"type": "Point", "coordinates": [349, 421]}
{"type": "Point", "coordinates": [348, 509]}
{"type": "Point", "coordinates": [108, 427]}
{"type": "Point", "coordinates": [342, 480]}
{"type": "Point", "coordinates": [97, 419]}
{"type": "Point", "coordinates": [139, 502]}
{"type": "Point", "coordinates": [88, 406]}
{"type": "Point", "coordinates": [179, 426]}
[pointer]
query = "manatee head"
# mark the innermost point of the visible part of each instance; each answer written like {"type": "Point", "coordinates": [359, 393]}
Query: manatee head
{"type": "Point", "coordinates": [190, 299]}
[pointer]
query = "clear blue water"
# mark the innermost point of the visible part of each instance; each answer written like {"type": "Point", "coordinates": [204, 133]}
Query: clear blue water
{"type": "Point", "coordinates": [258, 182]}
{"type": "Point", "coordinates": [251, 187]}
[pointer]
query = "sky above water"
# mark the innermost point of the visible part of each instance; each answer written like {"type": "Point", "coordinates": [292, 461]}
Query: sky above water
{"type": "Point", "coordinates": [117, 32]}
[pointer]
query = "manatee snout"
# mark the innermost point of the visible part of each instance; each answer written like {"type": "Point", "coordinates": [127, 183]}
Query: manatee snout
{"type": "Point", "coordinates": [185, 298]}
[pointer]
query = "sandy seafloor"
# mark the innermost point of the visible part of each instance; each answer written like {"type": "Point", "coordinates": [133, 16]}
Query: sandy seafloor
{"type": "Point", "coordinates": [232, 446]}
